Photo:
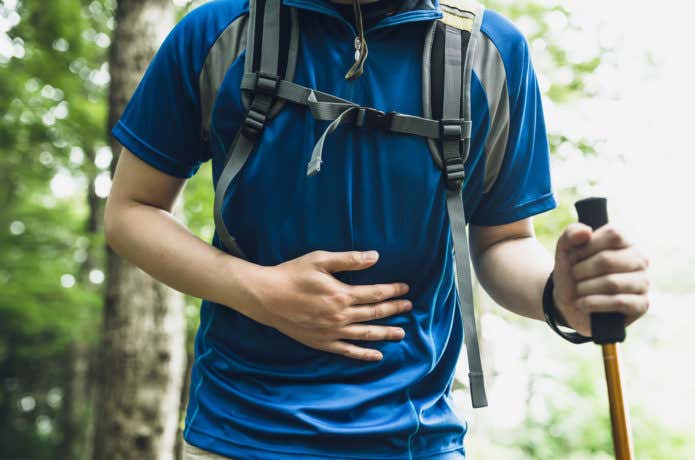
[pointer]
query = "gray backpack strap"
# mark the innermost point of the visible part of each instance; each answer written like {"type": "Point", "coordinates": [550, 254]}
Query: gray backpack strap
{"type": "Point", "coordinates": [253, 68]}
{"type": "Point", "coordinates": [455, 144]}
{"type": "Point", "coordinates": [477, 9]}
{"type": "Point", "coordinates": [242, 148]}
{"type": "Point", "coordinates": [262, 103]}
{"type": "Point", "coordinates": [264, 95]}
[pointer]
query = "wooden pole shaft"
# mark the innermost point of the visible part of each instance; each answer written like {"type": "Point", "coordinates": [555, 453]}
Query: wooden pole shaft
{"type": "Point", "coordinates": [622, 440]}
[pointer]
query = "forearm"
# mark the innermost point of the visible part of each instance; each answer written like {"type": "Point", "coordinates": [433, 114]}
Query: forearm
{"type": "Point", "coordinates": [514, 273]}
{"type": "Point", "coordinates": [152, 239]}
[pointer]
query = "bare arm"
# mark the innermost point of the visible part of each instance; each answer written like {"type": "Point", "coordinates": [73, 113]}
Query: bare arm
{"type": "Point", "coordinates": [512, 266]}
{"type": "Point", "coordinates": [301, 297]}
{"type": "Point", "coordinates": [139, 227]}
{"type": "Point", "coordinates": [593, 271]}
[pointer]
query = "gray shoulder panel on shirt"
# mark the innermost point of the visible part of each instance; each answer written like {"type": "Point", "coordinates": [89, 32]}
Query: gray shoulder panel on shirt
{"type": "Point", "coordinates": [227, 48]}
{"type": "Point", "coordinates": [490, 70]}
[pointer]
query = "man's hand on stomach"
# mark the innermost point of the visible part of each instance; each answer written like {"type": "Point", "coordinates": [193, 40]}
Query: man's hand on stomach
{"type": "Point", "coordinates": [302, 299]}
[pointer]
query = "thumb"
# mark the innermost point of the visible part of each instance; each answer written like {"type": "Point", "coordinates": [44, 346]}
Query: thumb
{"type": "Point", "coordinates": [345, 261]}
{"type": "Point", "coordinates": [574, 235]}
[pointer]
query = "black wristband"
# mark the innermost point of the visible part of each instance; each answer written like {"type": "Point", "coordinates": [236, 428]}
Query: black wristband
{"type": "Point", "coordinates": [552, 314]}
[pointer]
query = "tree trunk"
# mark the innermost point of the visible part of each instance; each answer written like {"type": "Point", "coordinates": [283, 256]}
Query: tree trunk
{"type": "Point", "coordinates": [142, 357]}
{"type": "Point", "coordinates": [76, 406]}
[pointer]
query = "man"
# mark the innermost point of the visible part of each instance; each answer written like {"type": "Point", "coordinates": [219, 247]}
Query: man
{"type": "Point", "coordinates": [338, 337]}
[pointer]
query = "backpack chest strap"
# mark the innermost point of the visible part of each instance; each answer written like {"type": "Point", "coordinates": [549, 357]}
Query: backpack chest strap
{"type": "Point", "coordinates": [326, 107]}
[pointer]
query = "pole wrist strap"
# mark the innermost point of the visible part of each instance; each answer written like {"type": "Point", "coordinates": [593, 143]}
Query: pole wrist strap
{"type": "Point", "coordinates": [552, 315]}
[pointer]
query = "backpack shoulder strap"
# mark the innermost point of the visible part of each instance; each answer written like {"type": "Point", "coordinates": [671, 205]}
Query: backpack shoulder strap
{"type": "Point", "coordinates": [243, 33]}
{"type": "Point", "coordinates": [270, 58]}
{"type": "Point", "coordinates": [273, 38]}
{"type": "Point", "coordinates": [447, 65]}
{"type": "Point", "coordinates": [464, 16]}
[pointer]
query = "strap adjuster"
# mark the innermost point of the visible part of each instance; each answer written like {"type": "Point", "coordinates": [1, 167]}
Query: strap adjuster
{"type": "Point", "coordinates": [452, 129]}
{"type": "Point", "coordinates": [266, 84]}
{"type": "Point", "coordinates": [264, 90]}
{"type": "Point", "coordinates": [254, 124]}
{"type": "Point", "coordinates": [455, 172]}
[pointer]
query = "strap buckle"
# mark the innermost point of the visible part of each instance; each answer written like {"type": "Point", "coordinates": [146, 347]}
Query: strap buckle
{"type": "Point", "coordinates": [374, 118]}
{"type": "Point", "coordinates": [454, 130]}
{"type": "Point", "coordinates": [455, 172]}
{"type": "Point", "coordinates": [265, 90]}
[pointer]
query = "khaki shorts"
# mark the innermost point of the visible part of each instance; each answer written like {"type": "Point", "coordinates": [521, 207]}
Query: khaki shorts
{"type": "Point", "coordinates": [191, 452]}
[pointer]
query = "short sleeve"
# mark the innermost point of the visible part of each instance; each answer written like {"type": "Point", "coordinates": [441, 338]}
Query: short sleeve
{"type": "Point", "coordinates": [522, 187]}
{"type": "Point", "coordinates": [161, 123]}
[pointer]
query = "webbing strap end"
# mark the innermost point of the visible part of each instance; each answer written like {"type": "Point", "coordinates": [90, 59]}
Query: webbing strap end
{"type": "Point", "coordinates": [314, 167]}
{"type": "Point", "coordinates": [477, 386]}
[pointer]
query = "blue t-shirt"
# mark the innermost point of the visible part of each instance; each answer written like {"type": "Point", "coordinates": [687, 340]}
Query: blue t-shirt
{"type": "Point", "coordinates": [257, 394]}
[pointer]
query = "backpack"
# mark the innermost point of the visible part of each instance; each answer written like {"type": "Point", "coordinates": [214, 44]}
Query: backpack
{"type": "Point", "coordinates": [270, 34]}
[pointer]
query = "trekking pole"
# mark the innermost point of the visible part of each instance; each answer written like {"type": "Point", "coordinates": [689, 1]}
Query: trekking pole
{"type": "Point", "coordinates": [607, 329]}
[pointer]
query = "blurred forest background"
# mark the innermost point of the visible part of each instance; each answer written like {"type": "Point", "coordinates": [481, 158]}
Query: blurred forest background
{"type": "Point", "coordinates": [93, 354]}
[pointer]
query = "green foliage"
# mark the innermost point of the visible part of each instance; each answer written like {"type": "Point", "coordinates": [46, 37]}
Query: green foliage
{"type": "Point", "coordinates": [577, 420]}
{"type": "Point", "coordinates": [576, 424]}
{"type": "Point", "coordinates": [550, 56]}
{"type": "Point", "coordinates": [54, 91]}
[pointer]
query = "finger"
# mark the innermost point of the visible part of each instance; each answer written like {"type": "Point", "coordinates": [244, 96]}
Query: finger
{"type": "Point", "coordinates": [379, 310]}
{"type": "Point", "coordinates": [353, 351]}
{"type": "Point", "coordinates": [371, 332]}
{"type": "Point", "coordinates": [333, 262]}
{"type": "Point", "coordinates": [376, 293]}
{"type": "Point", "coordinates": [574, 235]}
{"type": "Point", "coordinates": [615, 283]}
{"type": "Point", "coordinates": [631, 305]}
{"type": "Point", "coordinates": [606, 237]}
{"type": "Point", "coordinates": [631, 319]}
{"type": "Point", "coordinates": [609, 261]}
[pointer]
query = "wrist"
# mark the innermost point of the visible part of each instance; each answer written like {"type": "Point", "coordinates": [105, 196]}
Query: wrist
{"type": "Point", "coordinates": [245, 287]}
{"type": "Point", "coordinates": [553, 316]}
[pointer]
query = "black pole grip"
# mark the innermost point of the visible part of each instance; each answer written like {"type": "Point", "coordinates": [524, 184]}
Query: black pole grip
{"type": "Point", "coordinates": [605, 327]}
